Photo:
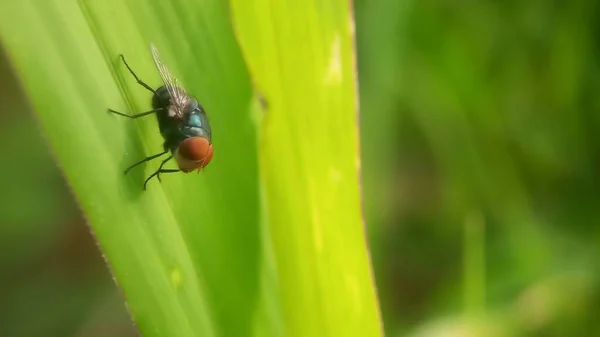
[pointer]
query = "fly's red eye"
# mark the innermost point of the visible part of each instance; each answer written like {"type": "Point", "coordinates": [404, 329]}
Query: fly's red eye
{"type": "Point", "coordinates": [208, 156]}
{"type": "Point", "coordinates": [196, 149]}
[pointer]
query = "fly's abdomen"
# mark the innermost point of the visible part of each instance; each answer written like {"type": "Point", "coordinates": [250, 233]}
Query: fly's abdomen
{"type": "Point", "coordinates": [166, 124]}
{"type": "Point", "coordinates": [161, 99]}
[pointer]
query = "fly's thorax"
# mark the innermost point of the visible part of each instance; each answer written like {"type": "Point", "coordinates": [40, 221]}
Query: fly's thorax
{"type": "Point", "coordinates": [193, 153]}
{"type": "Point", "coordinates": [196, 122]}
{"type": "Point", "coordinates": [174, 107]}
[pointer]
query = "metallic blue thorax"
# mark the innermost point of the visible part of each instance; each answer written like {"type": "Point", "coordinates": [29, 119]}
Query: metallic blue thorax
{"type": "Point", "coordinates": [196, 125]}
{"type": "Point", "coordinates": [174, 130]}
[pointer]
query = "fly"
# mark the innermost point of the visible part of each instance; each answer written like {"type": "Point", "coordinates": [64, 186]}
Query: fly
{"type": "Point", "coordinates": [182, 123]}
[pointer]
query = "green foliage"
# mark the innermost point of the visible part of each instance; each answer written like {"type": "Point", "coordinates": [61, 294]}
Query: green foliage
{"type": "Point", "coordinates": [490, 111]}
{"type": "Point", "coordinates": [186, 253]}
{"type": "Point", "coordinates": [301, 58]}
{"type": "Point", "coordinates": [193, 255]}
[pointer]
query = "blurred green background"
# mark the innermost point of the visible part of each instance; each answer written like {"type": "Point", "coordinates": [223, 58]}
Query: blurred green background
{"type": "Point", "coordinates": [480, 179]}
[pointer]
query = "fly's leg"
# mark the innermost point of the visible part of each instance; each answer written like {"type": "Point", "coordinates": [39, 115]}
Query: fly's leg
{"type": "Point", "coordinates": [140, 82]}
{"type": "Point", "coordinates": [157, 173]}
{"type": "Point", "coordinates": [161, 166]}
{"type": "Point", "coordinates": [145, 160]}
{"type": "Point", "coordinates": [141, 114]}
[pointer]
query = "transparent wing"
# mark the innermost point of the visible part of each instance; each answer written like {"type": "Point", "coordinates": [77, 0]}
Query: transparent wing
{"type": "Point", "coordinates": [178, 95]}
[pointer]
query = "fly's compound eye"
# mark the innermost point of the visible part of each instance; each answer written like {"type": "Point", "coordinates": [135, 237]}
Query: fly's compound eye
{"type": "Point", "coordinates": [194, 153]}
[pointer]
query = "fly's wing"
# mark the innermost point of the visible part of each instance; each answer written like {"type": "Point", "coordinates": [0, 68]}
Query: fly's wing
{"type": "Point", "coordinates": [179, 97]}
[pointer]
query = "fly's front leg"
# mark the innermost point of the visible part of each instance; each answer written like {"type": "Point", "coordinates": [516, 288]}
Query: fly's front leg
{"type": "Point", "coordinates": [145, 160]}
{"type": "Point", "coordinates": [157, 173]}
{"type": "Point", "coordinates": [161, 166]}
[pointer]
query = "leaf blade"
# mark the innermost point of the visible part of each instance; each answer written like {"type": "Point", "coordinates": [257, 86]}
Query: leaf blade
{"type": "Point", "coordinates": [301, 61]}
{"type": "Point", "coordinates": [186, 253]}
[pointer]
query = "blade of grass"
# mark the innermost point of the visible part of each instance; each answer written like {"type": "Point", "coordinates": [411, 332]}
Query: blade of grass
{"type": "Point", "coordinates": [186, 253]}
{"type": "Point", "coordinates": [301, 60]}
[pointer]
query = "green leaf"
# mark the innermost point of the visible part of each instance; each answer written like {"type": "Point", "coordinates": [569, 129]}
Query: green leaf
{"type": "Point", "coordinates": [193, 255]}
{"type": "Point", "coordinates": [301, 57]}
{"type": "Point", "coordinates": [187, 252]}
